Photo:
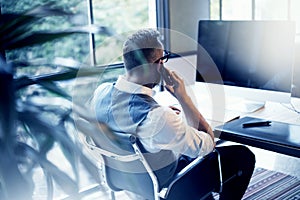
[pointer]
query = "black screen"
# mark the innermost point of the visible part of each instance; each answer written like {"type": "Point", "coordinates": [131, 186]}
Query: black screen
{"type": "Point", "coordinates": [254, 54]}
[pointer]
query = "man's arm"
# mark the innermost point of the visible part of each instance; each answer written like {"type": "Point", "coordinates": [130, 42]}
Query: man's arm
{"type": "Point", "coordinates": [194, 117]}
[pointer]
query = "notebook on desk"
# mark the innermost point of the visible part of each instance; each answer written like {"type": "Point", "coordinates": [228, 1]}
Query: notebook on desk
{"type": "Point", "coordinates": [275, 136]}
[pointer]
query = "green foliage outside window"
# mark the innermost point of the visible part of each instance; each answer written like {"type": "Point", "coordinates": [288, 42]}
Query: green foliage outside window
{"type": "Point", "coordinates": [122, 17]}
{"type": "Point", "coordinates": [74, 46]}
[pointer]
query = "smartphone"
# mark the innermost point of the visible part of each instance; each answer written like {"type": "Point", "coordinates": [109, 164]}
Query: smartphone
{"type": "Point", "coordinates": [167, 76]}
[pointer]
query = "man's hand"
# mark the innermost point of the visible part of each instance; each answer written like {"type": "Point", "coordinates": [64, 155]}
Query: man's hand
{"type": "Point", "coordinates": [194, 117]}
{"type": "Point", "coordinates": [178, 88]}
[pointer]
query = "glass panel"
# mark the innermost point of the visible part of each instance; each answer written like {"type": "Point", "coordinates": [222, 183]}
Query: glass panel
{"type": "Point", "coordinates": [215, 9]}
{"type": "Point", "coordinates": [236, 10]}
{"type": "Point", "coordinates": [295, 14]}
{"type": "Point", "coordinates": [122, 17]}
{"type": "Point", "coordinates": [74, 46]}
{"type": "Point", "coordinates": [271, 10]}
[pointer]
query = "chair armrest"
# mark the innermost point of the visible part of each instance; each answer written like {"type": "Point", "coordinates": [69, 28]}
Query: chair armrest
{"type": "Point", "coordinates": [186, 169]}
{"type": "Point", "coordinates": [164, 192]}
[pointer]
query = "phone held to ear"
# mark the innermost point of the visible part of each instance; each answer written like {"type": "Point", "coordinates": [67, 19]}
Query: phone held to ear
{"type": "Point", "coordinates": [167, 76]}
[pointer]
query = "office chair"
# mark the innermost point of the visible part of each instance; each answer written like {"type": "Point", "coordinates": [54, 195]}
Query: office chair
{"type": "Point", "coordinates": [121, 160]}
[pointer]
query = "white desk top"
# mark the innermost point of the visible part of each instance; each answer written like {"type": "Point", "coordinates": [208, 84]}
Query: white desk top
{"type": "Point", "coordinates": [213, 105]}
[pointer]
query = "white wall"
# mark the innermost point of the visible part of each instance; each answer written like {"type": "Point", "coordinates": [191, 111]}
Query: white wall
{"type": "Point", "coordinates": [185, 66]}
{"type": "Point", "coordinates": [184, 17]}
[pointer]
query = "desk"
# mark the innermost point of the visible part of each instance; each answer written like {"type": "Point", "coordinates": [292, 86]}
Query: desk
{"type": "Point", "coordinates": [278, 137]}
{"type": "Point", "coordinates": [213, 102]}
{"type": "Point", "coordinates": [216, 113]}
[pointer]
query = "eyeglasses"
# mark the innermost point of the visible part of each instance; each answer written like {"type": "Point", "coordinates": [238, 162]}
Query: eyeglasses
{"type": "Point", "coordinates": [164, 59]}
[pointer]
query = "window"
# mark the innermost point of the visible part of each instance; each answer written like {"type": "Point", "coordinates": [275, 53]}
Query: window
{"type": "Point", "coordinates": [118, 16]}
{"type": "Point", "coordinates": [256, 10]}
{"type": "Point", "coordinates": [294, 13]}
{"type": "Point", "coordinates": [271, 10]}
{"type": "Point", "coordinates": [214, 9]}
{"type": "Point", "coordinates": [236, 9]}
{"type": "Point", "coordinates": [122, 17]}
{"type": "Point", "coordinates": [73, 46]}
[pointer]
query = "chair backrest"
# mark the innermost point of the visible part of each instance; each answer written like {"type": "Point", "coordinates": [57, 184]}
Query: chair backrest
{"type": "Point", "coordinates": [123, 165]}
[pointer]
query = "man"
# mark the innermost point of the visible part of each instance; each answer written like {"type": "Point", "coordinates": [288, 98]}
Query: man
{"type": "Point", "coordinates": [127, 106]}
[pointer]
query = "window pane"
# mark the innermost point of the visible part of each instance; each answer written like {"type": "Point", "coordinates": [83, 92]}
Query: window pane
{"type": "Point", "coordinates": [271, 9]}
{"type": "Point", "coordinates": [121, 16]}
{"type": "Point", "coordinates": [295, 14]}
{"type": "Point", "coordinates": [236, 9]}
{"type": "Point", "coordinates": [74, 46]}
{"type": "Point", "coordinates": [215, 9]}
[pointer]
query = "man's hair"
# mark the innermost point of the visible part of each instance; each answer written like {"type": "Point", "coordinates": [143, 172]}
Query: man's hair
{"type": "Point", "coordinates": [140, 48]}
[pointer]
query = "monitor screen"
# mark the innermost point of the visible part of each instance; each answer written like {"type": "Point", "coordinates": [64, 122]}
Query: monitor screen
{"type": "Point", "coordinates": [249, 54]}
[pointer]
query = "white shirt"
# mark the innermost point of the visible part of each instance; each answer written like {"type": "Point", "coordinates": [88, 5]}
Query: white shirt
{"type": "Point", "coordinates": [164, 129]}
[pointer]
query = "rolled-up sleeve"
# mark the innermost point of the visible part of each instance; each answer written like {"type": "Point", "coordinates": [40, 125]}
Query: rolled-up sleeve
{"type": "Point", "coordinates": [164, 129]}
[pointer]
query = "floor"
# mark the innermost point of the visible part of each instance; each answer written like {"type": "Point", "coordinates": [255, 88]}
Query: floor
{"type": "Point", "coordinates": [265, 159]}
{"type": "Point", "coordinates": [277, 162]}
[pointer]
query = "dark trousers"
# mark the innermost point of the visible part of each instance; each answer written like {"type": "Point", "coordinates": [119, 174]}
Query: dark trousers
{"type": "Point", "coordinates": [237, 164]}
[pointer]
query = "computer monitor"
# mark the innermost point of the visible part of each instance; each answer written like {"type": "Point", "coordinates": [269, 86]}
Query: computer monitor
{"type": "Point", "coordinates": [254, 59]}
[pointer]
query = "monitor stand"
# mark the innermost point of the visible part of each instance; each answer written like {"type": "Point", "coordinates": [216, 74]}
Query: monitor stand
{"type": "Point", "coordinates": [245, 106]}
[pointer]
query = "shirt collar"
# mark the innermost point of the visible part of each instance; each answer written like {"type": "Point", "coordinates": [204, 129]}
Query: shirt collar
{"type": "Point", "coordinates": [130, 87]}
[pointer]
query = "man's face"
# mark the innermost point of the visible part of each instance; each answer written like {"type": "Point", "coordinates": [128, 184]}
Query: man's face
{"type": "Point", "coordinates": [150, 74]}
{"type": "Point", "coordinates": [158, 64]}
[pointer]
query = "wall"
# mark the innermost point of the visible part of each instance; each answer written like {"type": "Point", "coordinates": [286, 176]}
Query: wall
{"type": "Point", "coordinates": [296, 72]}
{"type": "Point", "coordinates": [184, 17]}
